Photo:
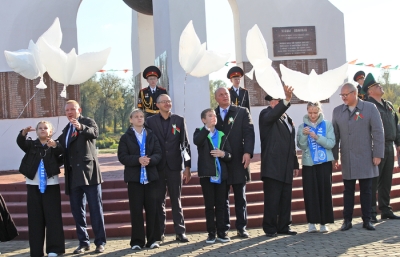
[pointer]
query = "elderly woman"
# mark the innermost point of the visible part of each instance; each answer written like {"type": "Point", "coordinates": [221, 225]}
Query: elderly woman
{"type": "Point", "coordinates": [316, 138]}
{"type": "Point", "coordinates": [140, 152]}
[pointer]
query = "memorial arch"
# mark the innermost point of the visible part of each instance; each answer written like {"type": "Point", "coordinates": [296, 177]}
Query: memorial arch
{"type": "Point", "coordinates": [159, 33]}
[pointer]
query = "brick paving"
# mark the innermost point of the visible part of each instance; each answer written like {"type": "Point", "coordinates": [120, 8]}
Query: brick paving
{"type": "Point", "coordinates": [385, 241]}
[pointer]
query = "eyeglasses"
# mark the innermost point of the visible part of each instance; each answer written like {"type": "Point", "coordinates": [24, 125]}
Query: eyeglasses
{"type": "Point", "coordinates": [346, 95]}
{"type": "Point", "coordinates": [165, 102]}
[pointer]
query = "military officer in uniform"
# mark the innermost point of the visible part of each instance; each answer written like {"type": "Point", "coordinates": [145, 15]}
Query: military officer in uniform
{"type": "Point", "coordinates": [359, 78]}
{"type": "Point", "coordinates": [383, 183]}
{"type": "Point", "coordinates": [148, 95]}
{"type": "Point", "coordinates": [239, 96]}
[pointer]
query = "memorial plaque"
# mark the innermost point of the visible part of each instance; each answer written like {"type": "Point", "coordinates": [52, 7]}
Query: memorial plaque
{"type": "Point", "coordinates": [305, 66]}
{"type": "Point", "coordinates": [291, 41]}
{"type": "Point", "coordinates": [19, 97]}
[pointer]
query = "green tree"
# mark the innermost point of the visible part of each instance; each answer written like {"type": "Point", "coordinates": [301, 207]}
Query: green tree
{"type": "Point", "coordinates": [90, 92]}
{"type": "Point", "coordinates": [127, 94]}
{"type": "Point", "coordinates": [392, 91]}
{"type": "Point", "coordinates": [214, 85]}
{"type": "Point", "coordinates": [111, 99]}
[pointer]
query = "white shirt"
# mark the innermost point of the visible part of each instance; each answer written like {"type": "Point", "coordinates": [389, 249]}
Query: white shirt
{"type": "Point", "coordinates": [221, 111]}
{"type": "Point", "coordinates": [139, 136]}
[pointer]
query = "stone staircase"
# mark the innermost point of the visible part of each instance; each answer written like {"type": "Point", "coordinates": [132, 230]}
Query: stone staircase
{"type": "Point", "coordinates": [116, 209]}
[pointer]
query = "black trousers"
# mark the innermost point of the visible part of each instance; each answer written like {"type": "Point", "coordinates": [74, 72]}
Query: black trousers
{"type": "Point", "coordinates": [140, 196]}
{"type": "Point", "coordinates": [317, 191]}
{"type": "Point", "coordinates": [214, 201]}
{"type": "Point", "coordinates": [365, 198]}
{"type": "Point", "coordinates": [239, 192]}
{"type": "Point", "coordinates": [172, 180]}
{"type": "Point", "coordinates": [44, 219]}
{"type": "Point", "coordinates": [383, 183]}
{"type": "Point", "coordinates": [277, 206]}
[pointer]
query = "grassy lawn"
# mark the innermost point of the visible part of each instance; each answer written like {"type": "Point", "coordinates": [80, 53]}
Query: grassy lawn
{"type": "Point", "coordinates": [108, 150]}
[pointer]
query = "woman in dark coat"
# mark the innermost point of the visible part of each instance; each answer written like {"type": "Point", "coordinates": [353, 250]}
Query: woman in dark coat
{"type": "Point", "coordinates": [41, 169]}
{"type": "Point", "coordinates": [140, 152]}
{"type": "Point", "coordinates": [214, 150]}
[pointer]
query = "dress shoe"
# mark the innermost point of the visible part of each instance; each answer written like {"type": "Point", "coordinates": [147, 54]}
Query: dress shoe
{"type": "Point", "coordinates": [271, 234]}
{"type": "Point", "coordinates": [81, 249]}
{"type": "Point", "coordinates": [182, 238]}
{"type": "Point", "coordinates": [389, 215]}
{"type": "Point", "coordinates": [374, 219]}
{"type": "Point", "coordinates": [368, 225]}
{"type": "Point", "coordinates": [154, 245]}
{"type": "Point", "coordinates": [243, 233]}
{"type": "Point", "coordinates": [289, 232]}
{"type": "Point", "coordinates": [346, 225]}
{"type": "Point", "coordinates": [99, 249]}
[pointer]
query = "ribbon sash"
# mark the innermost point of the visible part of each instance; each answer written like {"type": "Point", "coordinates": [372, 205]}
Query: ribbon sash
{"type": "Point", "coordinates": [318, 153]}
{"type": "Point", "coordinates": [216, 141]}
{"type": "Point", "coordinates": [42, 177]}
{"type": "Point", "coordinates": [142, 145]}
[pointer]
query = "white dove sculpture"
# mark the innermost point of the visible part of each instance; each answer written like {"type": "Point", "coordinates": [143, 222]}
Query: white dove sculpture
{"type": "Point", "coordinates": [257, 54]}
{"type": "Point", "coordinates": [28, 62]}
{"type": "Point", "coordinates": [71, 69]}
{"type": "Point", "coordinates": [314, 87]}
{"type": "Point", "coordinates": [193, 56]}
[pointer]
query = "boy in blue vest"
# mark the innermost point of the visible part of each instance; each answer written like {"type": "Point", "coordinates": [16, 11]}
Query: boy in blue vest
{"type": "Point", "coordinates": [213, 151]}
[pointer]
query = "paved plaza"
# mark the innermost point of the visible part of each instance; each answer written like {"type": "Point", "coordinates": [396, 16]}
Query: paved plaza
{"type": "Point", "coordinates": [385, 241]}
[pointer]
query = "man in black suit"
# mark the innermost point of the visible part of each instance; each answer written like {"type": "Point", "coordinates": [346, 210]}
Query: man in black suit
{"type": "Point", "coordinates": [82, 176]}
{"type": "Point", "coordinates": [278, 164]}
{"type": "Point", "coordinates": [239, 95]}
{"type": "Point", "coordinates": [171, 131]}
{"type": "Point", "coordinates": [148, 95]}
{"type": "Point", "coordinates": [236, 123]}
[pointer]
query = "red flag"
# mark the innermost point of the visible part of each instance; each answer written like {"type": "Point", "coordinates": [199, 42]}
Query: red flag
{"type": "Point", "coordinates": [353, 62]}
{"type": "Point", "coordinates": [125, 70]}
{"type": "Point", "coordinates": [102, 70]}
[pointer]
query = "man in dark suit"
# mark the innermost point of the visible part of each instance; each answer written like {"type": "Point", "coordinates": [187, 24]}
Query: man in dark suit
{"type": "Point", "coordinates": [236, 123]}
{"type": "Point", "coordinates": [239, 95]}
{"type": "Point", "coordinates": [148, 95]}
{"type": "Point", "coordinates": [171, 131]}
{"type": "Point", "coordinates": [82, 176]}
{"type": "Point", "coordinates": [278, 164]}
{"type": "Point", "coordinates": [383, 183]}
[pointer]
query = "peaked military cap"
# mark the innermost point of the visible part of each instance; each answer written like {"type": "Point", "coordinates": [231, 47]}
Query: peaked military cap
{"type": "Point", "coordinates": [235, 72]}
{"type": "Point", "coordinates": [359, 74]}
{"type": "Point", "coordinates": [369, 82]}
{"type": "Point", "coordinates": [151, 71]}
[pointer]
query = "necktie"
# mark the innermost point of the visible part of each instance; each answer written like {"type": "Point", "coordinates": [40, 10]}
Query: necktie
{"type": "Point", "coordinates": [223, 114]}
{"type": "Point", "coordinates": [237, 91]}
{"type": "Point", "coordinates": [70, 131]}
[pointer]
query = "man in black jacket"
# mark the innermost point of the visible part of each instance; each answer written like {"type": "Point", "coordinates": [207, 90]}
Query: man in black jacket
{"type": "Point", "coordinates": [82, 176]}
{"type": "Point", "coordinates": [278, 164]}
{"type": "Point", "coordinates": [383, 183]}
{"type": "Point", "coordinates": [171, 132]}
{"type": "Point", "coordinates": [236, 123]}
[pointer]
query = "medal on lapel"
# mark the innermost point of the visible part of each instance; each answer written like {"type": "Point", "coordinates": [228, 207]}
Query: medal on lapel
{"type": "Point", "coordinates": [175, 129]}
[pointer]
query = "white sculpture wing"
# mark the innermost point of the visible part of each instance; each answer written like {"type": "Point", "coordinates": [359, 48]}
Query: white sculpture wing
{"type": "Point", "coordinates": [23, 62]}
{"type": "Point", "coordinates": [88, 64]}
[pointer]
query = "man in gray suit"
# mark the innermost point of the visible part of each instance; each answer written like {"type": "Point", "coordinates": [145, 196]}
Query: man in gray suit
{"type": "Point", "coordinates": [359, 131]}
